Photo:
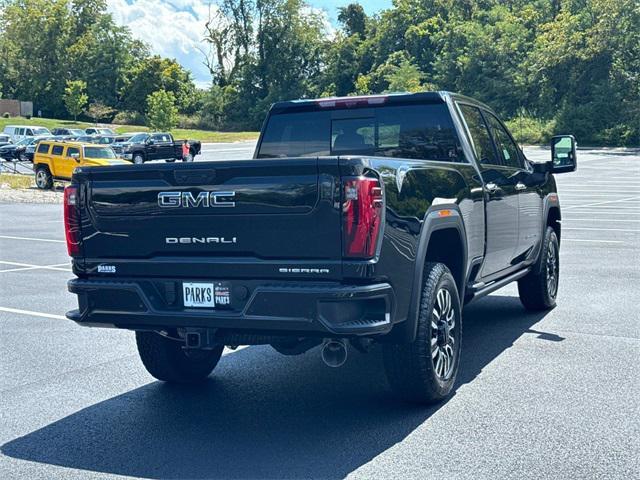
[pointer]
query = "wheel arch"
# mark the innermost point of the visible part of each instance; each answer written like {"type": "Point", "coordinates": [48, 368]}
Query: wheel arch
{"type": "Point", "coordinates": [443, 240]}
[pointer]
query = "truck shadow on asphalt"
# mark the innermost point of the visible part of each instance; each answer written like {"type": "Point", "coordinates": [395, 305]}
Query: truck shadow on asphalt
{"type": "Point", "coordinates": [263, 415]}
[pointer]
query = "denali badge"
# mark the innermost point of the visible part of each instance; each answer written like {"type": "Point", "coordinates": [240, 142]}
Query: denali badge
{"type": "Point", "coordinates": [203, 199]}
{"type": "Point", "coordinates": [173, 240]}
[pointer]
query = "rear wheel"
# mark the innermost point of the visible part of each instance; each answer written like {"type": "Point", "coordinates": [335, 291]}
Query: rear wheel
{"type": "Point", "coordinates": [44, 180]}
{"type": "Point", "coordinates": [166, 360]}
{"type": "Point", "coordinates": [539, 288]}
{"type": "Point", "coordinates": [425, 370]}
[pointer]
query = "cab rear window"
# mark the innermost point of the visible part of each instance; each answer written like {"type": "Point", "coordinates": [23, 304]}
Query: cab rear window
{"type": "Point", "coordinates": [405, 131]}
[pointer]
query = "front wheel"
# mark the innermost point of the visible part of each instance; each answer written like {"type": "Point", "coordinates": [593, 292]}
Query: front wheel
{"type": "Point", "coordinates": [425, 370]}
{"type": "Point", "coordinates": [138, 159]}
{"type": "Point", "coordinates": [539, 288]}
{"type": "Point", "coordinates": [166, 360]}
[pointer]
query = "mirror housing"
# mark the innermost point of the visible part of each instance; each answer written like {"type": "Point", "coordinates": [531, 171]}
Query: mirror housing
{"type": "Point", "coordinates": [563, 154]}
{"type": "Point", "coordinates": [150, 141]}
{"type": "Point", "coordinates": [75, 156]}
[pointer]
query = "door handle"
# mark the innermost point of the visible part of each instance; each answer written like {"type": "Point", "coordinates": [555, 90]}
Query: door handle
{"type": "Point", "coordinates": [492, 187]}
{"type": "Point", "coordinates": [520, 186]}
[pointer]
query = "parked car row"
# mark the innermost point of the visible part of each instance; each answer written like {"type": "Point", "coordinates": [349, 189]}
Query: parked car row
{"type": "Point", "coordinates": [20, 132]}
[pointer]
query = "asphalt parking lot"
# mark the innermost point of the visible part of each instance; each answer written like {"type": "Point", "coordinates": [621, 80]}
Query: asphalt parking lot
{"type": "Point", "coordinates": [553, 395]}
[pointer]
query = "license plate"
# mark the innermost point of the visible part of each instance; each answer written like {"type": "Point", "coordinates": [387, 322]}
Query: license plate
{"type": "Point", "coordinates": [206, 295]}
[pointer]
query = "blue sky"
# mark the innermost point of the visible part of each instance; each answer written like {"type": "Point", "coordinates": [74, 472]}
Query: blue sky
{"type": "Point", "coordinates": [174, 28]}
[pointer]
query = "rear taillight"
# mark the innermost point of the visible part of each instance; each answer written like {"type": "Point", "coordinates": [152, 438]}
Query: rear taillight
{"type": "Point", "coordinates": [361, 216]}
{"type": "Point", "coordinates": [72, 220]}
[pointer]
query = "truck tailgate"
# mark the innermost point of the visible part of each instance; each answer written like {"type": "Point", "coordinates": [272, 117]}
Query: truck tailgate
{"type": "Point", "coordinates": [242, 218]}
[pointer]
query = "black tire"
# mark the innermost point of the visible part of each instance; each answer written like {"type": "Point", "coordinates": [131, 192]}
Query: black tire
{"type": "Point", "coordinates": [166, 360]}
{"type": "Point", "coordinates": [539, 288]}
{"type": "Point", "coordinates": [138, 158]}
{"type": "Point", "coordinates": [412, 369]}
{"type": "Point", "coordinates": [44, 180]}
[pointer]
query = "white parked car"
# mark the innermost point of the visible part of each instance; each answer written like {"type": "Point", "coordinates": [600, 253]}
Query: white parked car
{"type": "Point", "coordinates": [19, 132]}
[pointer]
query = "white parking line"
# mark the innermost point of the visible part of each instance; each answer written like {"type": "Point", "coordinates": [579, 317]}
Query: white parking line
{"type": "Point", "coordinates": [626, 220]}
{"type": "Point", "coordinates": [589, 240]}
{"type": "Point", "coordinates": [33, 314]}
{"type": "Point", "coordinates": [9, 237]}
{"type": "Point", "coordinates": [601, 229]}
{"type": "Point", "coordinates": [29, 266]}
{"type": "Point", "coordinates": [604, 203]}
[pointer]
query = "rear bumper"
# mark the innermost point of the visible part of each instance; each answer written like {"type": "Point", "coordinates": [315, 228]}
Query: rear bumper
{"type": "Point", "coordinates": [257, 306]}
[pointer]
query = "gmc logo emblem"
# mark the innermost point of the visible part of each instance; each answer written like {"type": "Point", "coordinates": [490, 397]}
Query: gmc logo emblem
{"type": "Point", "coordinates": [203, 199]}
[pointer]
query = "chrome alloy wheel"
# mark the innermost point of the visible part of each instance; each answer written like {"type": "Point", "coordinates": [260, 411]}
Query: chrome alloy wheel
{"type": "Point", "coordinates": [552, 270]}
{"type": "Point", "coordinates": [443, 343]}
{"type": "Point", "coordinates": [41, 179]}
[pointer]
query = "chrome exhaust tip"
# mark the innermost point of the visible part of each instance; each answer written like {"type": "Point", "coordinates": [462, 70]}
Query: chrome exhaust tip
{"type": "Point", "coordinates": [334, 352]}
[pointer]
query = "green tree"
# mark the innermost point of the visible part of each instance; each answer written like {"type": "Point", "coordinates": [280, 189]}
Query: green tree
{"type": "Point", "coordinates": [75, 98]}
{"type": "Point", "coordinates": [156, 73]}
{"type": "Point", "coordinates": [353, 19]}
{"type": "Point", "coordinates": [405, 77]}
{"type": "Point", "coordinates": [99, 111]}
{"type": "Point", "coordinates": [162, 113]}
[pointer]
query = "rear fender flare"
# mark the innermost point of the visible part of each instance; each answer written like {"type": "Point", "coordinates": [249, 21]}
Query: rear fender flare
{"type": "Point", "coordinates": [433, 221]}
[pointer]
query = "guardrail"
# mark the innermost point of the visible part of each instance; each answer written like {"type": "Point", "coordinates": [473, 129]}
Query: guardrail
{"type": "Point", "coordinates": [18, 167]}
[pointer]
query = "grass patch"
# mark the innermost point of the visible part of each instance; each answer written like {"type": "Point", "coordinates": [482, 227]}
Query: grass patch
{"type": "Point", "coordinates": [179, 133]}
{"type": "Point", "coordinates": [531, 131]}
{"type": "Point", "coordinates": [16, 181]}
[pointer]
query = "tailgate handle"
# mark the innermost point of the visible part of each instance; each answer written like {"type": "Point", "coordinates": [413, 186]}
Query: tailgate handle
{"type": "Point", "coordinates": [189, 177]}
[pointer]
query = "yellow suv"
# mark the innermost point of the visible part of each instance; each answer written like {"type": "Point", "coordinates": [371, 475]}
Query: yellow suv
{"type": "Point", "coordinates": [56, 160]}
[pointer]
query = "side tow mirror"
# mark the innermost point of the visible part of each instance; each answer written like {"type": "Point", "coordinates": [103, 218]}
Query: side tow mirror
{"type": "Point", "coordinates": [563, 154]}
{"type": "Point", "coordinates": [75, 156]}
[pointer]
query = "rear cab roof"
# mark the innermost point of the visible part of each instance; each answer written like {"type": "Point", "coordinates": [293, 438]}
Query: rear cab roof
{"type": "Point", "coordinates": [396, 98]}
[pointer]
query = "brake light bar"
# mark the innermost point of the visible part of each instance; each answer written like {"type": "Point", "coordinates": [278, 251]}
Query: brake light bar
{"type": "Point", "coordinates": [361, 216]}
{"type": "Point", "coordinates": [352, 101]}
{"type": "Point", "coordinates": [72, 220]}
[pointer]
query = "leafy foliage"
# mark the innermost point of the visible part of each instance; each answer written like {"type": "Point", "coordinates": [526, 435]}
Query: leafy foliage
{"type": "Point", "coordinates": [572, 66]}
{"type": "Point", "coordinates": [75, 98]}
{"type": "Point", "coordinates": [162, 113]}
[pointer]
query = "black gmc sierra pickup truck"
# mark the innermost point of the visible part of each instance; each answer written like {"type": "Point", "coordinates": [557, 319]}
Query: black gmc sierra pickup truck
{"type": "Point", "coordinates": [359, 220]}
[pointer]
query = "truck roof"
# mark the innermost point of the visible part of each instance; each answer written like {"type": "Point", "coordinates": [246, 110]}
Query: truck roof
{"type": "Point", "coordinates": [371, 100]}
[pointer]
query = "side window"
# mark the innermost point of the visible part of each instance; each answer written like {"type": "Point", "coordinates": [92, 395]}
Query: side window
{"type": "Point", "coordinates": [43, 148]}
{"type": "Point", "coordinates": [20, 131]}
{"type": "Point", "coordinates": [507, 149]}
{"type": "Point", "coordinates": [29, 132]}
{"type": "Point", "coordinates": [57, 150]}
{"type": "Point", "coordinates": [160, 138]}
{"type": "Point", "coordinates": [480, 135]}
{"type": "Point", "coordinates": [72, 150]}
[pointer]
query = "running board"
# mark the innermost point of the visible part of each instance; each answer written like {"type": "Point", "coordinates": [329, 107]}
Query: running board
{"type": "Point", "coordinates": [481, 289]}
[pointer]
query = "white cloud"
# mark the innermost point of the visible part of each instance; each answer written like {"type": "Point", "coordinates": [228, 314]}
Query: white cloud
{"type": "Point", "coordinates": [172, 28]}
{"type": "Point", "coordinates": [175, 28]}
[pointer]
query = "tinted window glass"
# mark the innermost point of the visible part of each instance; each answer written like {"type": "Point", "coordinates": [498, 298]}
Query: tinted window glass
{"type": "Point", "coordinates": [480, 135]}
{"type": "Point", "coordinates": [305, 134]}
{"type": "Point", "coordinates": [139, 138]}
{"type": "Point", "coordinates": [507, 149]}
{"type": "Point", "coordinates": [412, 131]}
{"type": "Point", "coordinates": [21, 131]}
{"type": "Point", "coordinates": [43, 148]}
{"type": "Point", "coordinates": [72, 150]}
{"type": "Point", "coordinates": [57, 150]}
{"type": "Point", "coordinates": [99, 152]}
{"type": "Point", "coordinates": [161, 137]}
